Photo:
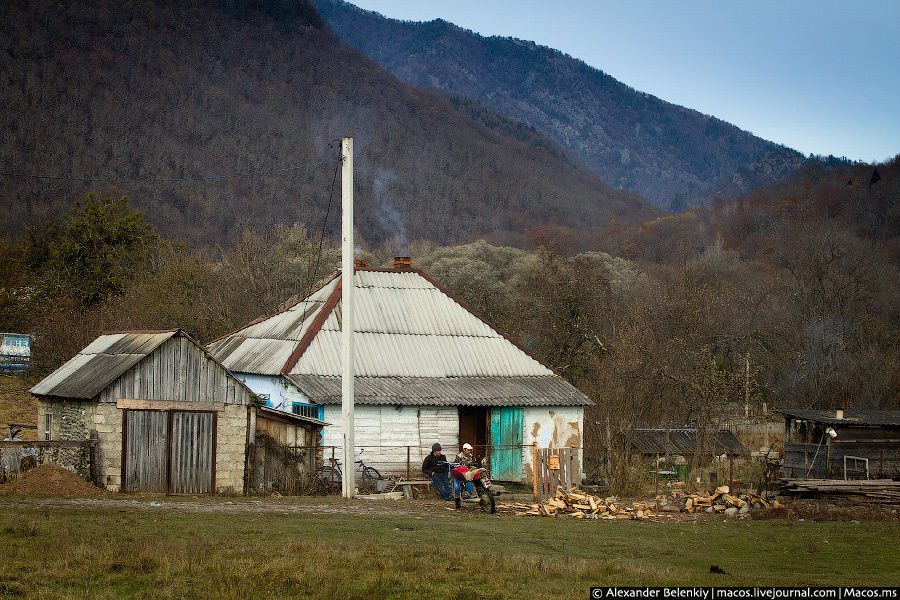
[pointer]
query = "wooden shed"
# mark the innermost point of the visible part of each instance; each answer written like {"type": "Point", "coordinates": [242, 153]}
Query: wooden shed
{"type": "Point", "coordinates": [168, 417]}
{"type": "Point", "coordinates": [841, 444]}
{"type": "Point", "coordinates": [683, 442]}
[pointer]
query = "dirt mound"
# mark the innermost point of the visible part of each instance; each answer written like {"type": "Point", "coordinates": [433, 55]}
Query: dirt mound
{"type": "Point", "coordinates": [50, 480]}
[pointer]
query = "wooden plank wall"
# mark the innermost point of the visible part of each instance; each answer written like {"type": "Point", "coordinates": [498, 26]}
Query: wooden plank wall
{"type": "Point", "coordinates": [177, 371]}
{"type": "Point", "coordinates": [192, 452]}
{"type": "Point", "coordinates": [145, 450]}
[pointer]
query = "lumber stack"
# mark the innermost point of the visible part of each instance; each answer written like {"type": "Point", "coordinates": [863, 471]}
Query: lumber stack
{"type": "Point", "coordinates": [721, 500]}
{"type": "Point", "coordinates": [581, 505]}
{"type": "Point", "coordinates": [874, 488]}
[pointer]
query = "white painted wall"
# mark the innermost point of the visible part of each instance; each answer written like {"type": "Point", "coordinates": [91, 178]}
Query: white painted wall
{"type": "Point", "coordinates": [384, 432]}
{"type": "Point", "coordinates": [551, 427]}
{"type": "Point", "coordinates": [272, 386]}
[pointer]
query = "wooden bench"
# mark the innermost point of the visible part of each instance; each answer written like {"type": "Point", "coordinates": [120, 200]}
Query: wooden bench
{"type": "Point", "coordinates": [407, 486]}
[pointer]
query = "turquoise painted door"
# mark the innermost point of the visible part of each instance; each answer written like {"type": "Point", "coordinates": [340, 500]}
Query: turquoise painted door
{"type": "Point", "coordinates": [506, 439]}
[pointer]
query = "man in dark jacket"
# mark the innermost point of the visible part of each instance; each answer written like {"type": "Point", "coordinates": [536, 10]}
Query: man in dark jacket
{"type": "Point", "coordinates": [435, 465]}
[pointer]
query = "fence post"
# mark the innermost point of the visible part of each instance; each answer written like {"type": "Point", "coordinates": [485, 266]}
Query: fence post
{"type": "Point", "coordinates": [534, 469]}
{"type": "Point", "coordinates": [407, 462]}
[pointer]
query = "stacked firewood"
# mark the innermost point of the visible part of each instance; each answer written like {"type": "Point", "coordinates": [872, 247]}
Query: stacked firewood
{"type": "Point", "coordinates": [581, 505]}
{"type": "Point", "coordinates": [721, 501]}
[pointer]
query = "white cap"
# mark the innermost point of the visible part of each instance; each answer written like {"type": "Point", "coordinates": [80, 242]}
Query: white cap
{"type": "Point", "coordinates": [467, 446]}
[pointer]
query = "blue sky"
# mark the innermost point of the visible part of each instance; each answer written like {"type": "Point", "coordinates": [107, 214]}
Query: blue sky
{"type": "Point", "coordinates": [821, 76]}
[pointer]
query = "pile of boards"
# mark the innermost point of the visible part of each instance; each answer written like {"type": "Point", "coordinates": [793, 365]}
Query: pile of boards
{"type": "Point", "coordinates": [884, 489]}
{"type": "Point", "coordinates": [721, 501]}
{"type": "Point", "coordinates": [581, 505]}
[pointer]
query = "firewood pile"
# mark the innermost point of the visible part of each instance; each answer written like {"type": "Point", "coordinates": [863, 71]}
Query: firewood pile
{"type": "Point", "coordinates": [721, 501]}
{"type": "Point", "coordinates": [581, 505]}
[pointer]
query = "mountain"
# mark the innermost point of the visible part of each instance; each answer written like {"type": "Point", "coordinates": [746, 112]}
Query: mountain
{"type": "Point", "coordinates": [670, 155]}
{"type": "Point", "coordinates": [140, 91]}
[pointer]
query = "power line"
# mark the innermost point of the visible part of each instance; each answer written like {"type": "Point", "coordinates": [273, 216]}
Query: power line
{"type": "Point", "coordinates": [313, 269]}
{"type": "Point", "coordinates": [165, 179]}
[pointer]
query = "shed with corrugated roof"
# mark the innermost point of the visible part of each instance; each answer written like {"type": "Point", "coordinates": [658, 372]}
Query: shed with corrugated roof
{"type": "Point", "coordinates": [427, 369]}
{"type": "Point", "coordinates": [168, 417]}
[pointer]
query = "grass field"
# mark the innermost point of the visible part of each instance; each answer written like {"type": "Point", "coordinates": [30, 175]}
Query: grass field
{"type": "Point", "coordinates": [98, 551]}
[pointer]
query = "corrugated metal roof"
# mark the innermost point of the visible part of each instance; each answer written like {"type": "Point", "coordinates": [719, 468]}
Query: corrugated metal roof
{"type": "Point", "coordinates": [268, 410]}
{"type": "Point", "coordinates": [852, 417]}
{"type": "Point", "coordinates": [265, 346]}
{"type": "Point", "coordinates": [684, 442]}
{"type": "Point", "coordinates": [437, 391]}
{"type": "Point", "coordinates": [407, 327]}
{"type": "Point", "coordinates": [100, 363]}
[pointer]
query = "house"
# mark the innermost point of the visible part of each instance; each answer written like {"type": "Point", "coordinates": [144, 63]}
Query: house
{"type": "Point", "coordinates": [427, 370]}
{"type": "Point", "coordinates": [841, 444]}
{"type": "Point", "coordinates": [168, 417]}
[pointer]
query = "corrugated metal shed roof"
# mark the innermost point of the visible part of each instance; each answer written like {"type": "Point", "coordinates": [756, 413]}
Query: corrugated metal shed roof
{"type": "Point", "coordinates": [268, 410]}
{"type": "Point", "coordinates": [103, 361]}
{"type": "Point", "coordinates": [438, 391]}
{"type": "Point", "coordinates": [683, 441]}
{"type": "Point", "coordinates": [859, 418]}
{"type": "Point", "coordinates": [407, 326]}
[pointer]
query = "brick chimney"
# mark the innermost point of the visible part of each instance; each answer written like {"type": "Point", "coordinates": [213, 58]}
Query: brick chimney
{"type": "Point", "coordinates": [360, 263]}
{"type": "Point", "coordinates": [402, 263]}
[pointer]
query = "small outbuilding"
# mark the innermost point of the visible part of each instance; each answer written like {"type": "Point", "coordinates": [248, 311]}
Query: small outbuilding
{"type": "Point", "coordinates": [683, 442]}
{"type": "Point", "coordinates": [167, 416]}
{"type": "Point", "coordinates": [841, 444]}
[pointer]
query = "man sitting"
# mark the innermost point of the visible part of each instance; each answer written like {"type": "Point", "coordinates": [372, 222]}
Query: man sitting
{"type": "Point", "coordinates": [435, 465]}
{"type": "Point", "coordinates": [466, 458]}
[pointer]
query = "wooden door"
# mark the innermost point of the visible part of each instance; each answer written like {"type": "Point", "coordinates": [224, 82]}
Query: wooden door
{"type": "Point", "coordinates": [169, 451]}
{"type": "Point", "coordinates": [192, 452]}
{"type": "Point", "coordinates": [506, 441]}
{"type": "Point", "coordinates": [146, 435]}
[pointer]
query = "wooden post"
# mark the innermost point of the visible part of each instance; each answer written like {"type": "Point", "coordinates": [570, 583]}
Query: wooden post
{"type": "Point", "coordinates": [534, 469]}
{"type": "Point", "coordinates": [731, 472]}
{"type": "Point", "coordinates": [348, 278]}
{"type": "Point", "coordinates": [407, 462]}
{"type": "Point", "coordinates": [656, 479]}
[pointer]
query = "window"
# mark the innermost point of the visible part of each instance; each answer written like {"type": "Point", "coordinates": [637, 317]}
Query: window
{"type": "Point", "coordinates": [48, 425]}
{"type": "Point", "coordinates": [306, 410]}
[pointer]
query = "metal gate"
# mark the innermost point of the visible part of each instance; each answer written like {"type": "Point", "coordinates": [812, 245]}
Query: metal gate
{"type": "Point", "coordinates": [169, 451]}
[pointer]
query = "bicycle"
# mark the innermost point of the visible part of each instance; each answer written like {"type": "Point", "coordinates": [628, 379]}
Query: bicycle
{"type": "Point", "coordinates": [332, 474]}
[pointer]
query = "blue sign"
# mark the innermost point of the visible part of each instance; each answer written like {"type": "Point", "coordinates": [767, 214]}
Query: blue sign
{"type": "Point", "coordinates": [15, 352]}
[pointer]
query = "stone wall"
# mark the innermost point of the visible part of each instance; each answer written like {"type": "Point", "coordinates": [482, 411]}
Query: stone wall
{"type": "Point", "coordinates": [81, 420]}
{"type": "Point", "coordinates": [70, 422]}
{"type": "Point", "coordinates": [107, 422]}
{"type": "Point", "coordinates": [231, 449]}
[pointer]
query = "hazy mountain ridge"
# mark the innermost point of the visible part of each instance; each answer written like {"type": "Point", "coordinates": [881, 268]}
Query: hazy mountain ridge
{"type": "Point", "coordinates": [670, 155]}
{"type": "Point", "coordinates": [139, 90]}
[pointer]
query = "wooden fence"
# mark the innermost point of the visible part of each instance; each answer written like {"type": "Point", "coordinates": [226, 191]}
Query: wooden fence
{"type": "Point", "coordinates": [555, 467]}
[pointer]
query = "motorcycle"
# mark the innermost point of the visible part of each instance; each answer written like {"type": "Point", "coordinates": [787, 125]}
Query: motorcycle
{"type": "Point", "coordinates": [484, 494]}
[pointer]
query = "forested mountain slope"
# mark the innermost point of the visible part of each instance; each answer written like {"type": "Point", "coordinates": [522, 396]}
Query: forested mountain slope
{"type": "Point", "coordinates": [150, 89]}
{"type": "Point", "coordinates": [670, 155]}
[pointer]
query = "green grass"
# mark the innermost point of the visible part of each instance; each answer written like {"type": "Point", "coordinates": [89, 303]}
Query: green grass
{"type": "Point", "coordinates": [74, 552]}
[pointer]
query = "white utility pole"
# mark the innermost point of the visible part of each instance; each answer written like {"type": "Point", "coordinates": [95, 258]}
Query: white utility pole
{"type": "Point", "coordinates": [348, 481]}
